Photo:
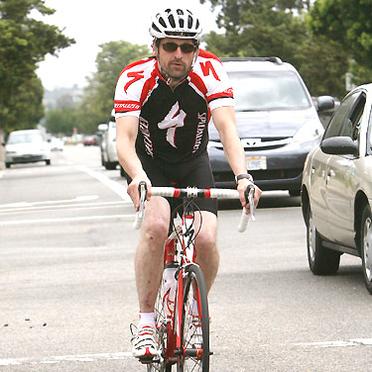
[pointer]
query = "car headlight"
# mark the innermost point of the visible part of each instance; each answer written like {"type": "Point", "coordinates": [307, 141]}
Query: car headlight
{"type": "Point", "coordinates": [308, 132]}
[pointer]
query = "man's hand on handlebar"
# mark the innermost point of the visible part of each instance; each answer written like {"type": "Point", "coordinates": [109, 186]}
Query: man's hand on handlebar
{"type": "Point", "coordinates": [133, 189]}
{"type": "Point", "coordinates": [244, 185]}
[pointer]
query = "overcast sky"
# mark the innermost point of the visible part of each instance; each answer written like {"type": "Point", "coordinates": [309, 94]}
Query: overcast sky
{"type": "Point", "coordinates": [92, 23]}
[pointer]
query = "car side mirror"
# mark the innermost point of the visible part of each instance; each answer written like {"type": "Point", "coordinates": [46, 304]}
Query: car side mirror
{"type": "Point", "coordinates": [339, 146]}
{"type": "Point", "coordinates": [325, 103]}
{"type": "Point", "coordinates": [102, 127]}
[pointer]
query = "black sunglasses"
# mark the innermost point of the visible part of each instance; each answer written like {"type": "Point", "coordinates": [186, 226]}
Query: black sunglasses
{"type": "Point", "coordinates": [185, 47]}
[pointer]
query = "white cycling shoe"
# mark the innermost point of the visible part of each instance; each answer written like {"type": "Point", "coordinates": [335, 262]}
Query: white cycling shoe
{"type": "Point", "coordinates": [145, 343]}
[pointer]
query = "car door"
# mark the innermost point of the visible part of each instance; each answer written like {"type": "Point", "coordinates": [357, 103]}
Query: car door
{"type": "Point", "coordinates": [315, 170]}
{"type": "Point", "coordinates": [340, 180]}
{"type": "Point", "coordinates": [318, 178]}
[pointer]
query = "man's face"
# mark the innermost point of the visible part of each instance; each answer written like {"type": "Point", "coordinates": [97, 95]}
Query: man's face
{"type": "Point", "coordinates": [176, 56]}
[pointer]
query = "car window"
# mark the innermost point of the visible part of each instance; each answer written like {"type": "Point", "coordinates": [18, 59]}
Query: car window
{"type": "Point", "coordinates": [369, 138]}
{"type": "Point", "coordinates": [16, 138]}
{"type": "Point", "coordinates": [356, 117]}
{"type": "Point", "coordinates": [340, 123]}
{"type": "Point", "coordinates": [268, 90]}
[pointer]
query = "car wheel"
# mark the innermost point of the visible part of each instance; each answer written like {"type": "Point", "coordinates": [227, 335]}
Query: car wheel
{"type": "Point", "coordinates": [322, 261]}
{"type": "Point", "coordinates": [366, 246]}
{"type": "Point", "coordinates": [47, 162]}
{"type": "Point", "coordinates": [110, 166]}
{"type": "Point", "coordinates": [7, 165]}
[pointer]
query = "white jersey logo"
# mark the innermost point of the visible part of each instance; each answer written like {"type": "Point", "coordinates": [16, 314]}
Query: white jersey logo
{"type": "Point", "coordinates": [174, 119]}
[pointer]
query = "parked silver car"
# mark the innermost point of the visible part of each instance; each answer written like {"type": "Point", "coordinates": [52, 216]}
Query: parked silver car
{"type": "Point", "coordinates": [337, 188]}
{"type": "Point", "coordinates": [26, 146]}
{"type": "Point", "coordinates": [109, 157]}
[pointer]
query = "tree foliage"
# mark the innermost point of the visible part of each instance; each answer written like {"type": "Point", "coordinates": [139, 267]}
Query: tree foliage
{"type": "Point", "coordinates": [279, 27]}
{"type": "Point", "coordinates": [61, 120]}
{"type": "Point", "coordinates": [348, 22]}
{"type": "Point", "coordinates": [98, 96]}
{"type": "Point", "coordinates": [24, 42]}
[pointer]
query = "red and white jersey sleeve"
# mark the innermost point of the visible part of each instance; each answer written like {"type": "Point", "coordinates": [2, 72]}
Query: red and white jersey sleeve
{"type": "Point", "coordinates": [213, 82]}
{"type": "Point", "coordinates": [128, 99]}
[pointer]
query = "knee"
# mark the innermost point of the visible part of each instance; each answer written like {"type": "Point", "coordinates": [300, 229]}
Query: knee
{"type": "Point", "coordinates": [206, 242]}
{"type": "Point", "coordinates": [155, 230]}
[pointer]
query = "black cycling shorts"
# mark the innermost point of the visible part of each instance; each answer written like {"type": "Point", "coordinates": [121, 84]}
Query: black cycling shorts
{"type": "Point", "coordinates": [194, 173]}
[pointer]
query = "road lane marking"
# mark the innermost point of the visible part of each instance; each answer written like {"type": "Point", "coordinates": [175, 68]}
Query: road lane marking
{"type": "Point", "coordinates": [18, 210]}
{"type": "Point", "coordinates": [66, 358]}
{"type": "Point", "coordinates": [94, 357]}
{"type": "Point", "coordinates": [65, 219]}
{"type": "Point", "coordinates": [116, 187]}
{"type": "Point", "coordinates": [82, 198]}
{"type": "Point", "coordinates": [339, 343]}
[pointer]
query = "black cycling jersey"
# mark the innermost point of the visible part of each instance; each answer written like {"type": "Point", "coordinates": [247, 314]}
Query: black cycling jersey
{"type": "Point", "coordinates": [173, 124]}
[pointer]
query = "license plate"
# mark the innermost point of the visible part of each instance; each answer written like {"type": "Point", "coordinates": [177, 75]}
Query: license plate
{"type": "Point", "coordinates": [256, 162]}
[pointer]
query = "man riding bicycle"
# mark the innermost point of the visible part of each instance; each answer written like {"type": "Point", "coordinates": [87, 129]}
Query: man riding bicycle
{"type": "Point", "coordinates": [163, 105]}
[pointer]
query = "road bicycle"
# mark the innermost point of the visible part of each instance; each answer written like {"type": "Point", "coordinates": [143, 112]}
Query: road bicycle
{"type": "Point", "coordinates": [182, 316]}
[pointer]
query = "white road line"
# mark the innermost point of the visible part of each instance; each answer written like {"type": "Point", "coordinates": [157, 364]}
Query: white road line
{"type": "Point", "coordinates": [82, 198]}
{"type": "Point", "coordinates": [65, 219]}
{"type": "Point", "coordinates": [114, 186]}
{"type": "Point", "coordinates": [126, 355]}
{"type": "Point", "coordinates": [65, 358]}
{"type": "Point", "coordinates": [19, 210]}
{"type": "Point", "coordinates": [339, 343]}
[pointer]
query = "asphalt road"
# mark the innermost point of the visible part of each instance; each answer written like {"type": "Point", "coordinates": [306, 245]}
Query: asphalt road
{"type": "Point", "coordinates": [68, 294]}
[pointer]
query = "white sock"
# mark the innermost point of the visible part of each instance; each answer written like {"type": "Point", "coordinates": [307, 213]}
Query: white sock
{"type": "Point", "coordinates": [147, 318]}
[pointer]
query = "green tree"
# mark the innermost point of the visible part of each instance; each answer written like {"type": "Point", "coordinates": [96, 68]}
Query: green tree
{"type": "Point", "coordinates": [97, 101]}
{"type": "Point", "coordinates": [24, 42]}
{"type": "Point", "coordinates": [62, 120]}
{"type": "Point", "coordinates": [348, 22]}
{"type": "Point", "coordinates": [279, 28]}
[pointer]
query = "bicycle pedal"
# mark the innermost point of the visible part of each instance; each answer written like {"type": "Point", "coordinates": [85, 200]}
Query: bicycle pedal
{"type": "Point", "coordinates": [149, 360]}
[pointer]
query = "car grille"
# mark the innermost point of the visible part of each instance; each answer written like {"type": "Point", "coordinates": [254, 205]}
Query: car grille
{"type": "Point", "coordinates": [259, 144]}
{"type": "Point", "coordinates": [252, 144]}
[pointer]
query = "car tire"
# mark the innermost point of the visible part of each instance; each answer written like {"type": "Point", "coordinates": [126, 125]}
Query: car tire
{"type": "Point", "coordinates": [47, 162]}
{"type": "Point", "coordinates": [110, 166]}
{"type": "Point", "coordinates": [366, 246]}
{"type": "Point", "coordinates": [322, 261]}
{"type": "Point", "coordinates": [7, 165]}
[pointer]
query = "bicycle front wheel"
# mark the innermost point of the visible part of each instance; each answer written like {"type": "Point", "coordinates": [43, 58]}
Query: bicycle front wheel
{"type": "Point", "coordinates": [161, 364]}
{"type": "Point", "coordinates": [194, 320]}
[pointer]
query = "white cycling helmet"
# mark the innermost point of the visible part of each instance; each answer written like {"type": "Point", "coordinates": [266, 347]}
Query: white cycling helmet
{"type": "Point", "coordinates": [176, 23]}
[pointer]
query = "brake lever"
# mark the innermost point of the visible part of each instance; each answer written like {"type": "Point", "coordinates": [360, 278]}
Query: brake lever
{"type": "Point", "coordinates": [252, 208]}
{"type": "Point", "coordinates": [142, 189]}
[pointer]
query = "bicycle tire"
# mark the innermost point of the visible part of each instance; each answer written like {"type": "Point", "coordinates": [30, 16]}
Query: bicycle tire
{"type": "Point", "coordinates": [160, 365]}
{"type": "Point", "coordinates": [191, 357]}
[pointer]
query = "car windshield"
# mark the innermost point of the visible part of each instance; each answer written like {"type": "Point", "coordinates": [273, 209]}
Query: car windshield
{"type": "Point", "coordinates": [267, 91]}
{"type": "Point", "coordinates": [15, 138]}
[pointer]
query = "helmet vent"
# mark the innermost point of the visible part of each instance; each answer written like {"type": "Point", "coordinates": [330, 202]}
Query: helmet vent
{"type": "Point", "coordinates": [171, 21]}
